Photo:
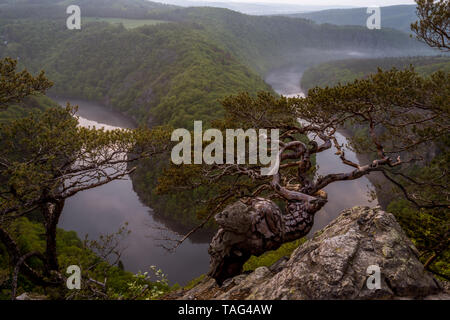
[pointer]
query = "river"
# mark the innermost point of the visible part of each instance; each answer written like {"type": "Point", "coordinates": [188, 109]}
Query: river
{"type": "Point", "coordinates": [105, 209]}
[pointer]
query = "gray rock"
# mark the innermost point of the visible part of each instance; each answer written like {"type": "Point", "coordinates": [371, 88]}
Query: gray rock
{"type": "Point", "coordinates": [333, 265]}
{"type": "Point", "coordinates": [279, 265]}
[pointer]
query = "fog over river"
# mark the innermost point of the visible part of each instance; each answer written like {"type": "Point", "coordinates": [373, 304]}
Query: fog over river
{"type": "Point", "coordinates": [105, 209]}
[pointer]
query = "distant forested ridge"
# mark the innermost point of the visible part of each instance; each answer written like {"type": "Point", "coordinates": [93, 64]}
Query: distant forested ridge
{"type": "Point", "coordinates": [397, 17]}
{"type": "Point", "coordinates": [56, 9]}
{"type": "Point", "coordinates": [345, 71]}
{"type": "Point", "coordinates": [267, 42]}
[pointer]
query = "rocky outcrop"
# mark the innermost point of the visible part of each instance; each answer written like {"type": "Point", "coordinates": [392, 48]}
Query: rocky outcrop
{"type": "Point", "coordinates": [334, 264]}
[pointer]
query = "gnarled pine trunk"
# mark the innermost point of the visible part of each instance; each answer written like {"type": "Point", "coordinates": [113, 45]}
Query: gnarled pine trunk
{"type": "Point", "coordinates": [254, 227]}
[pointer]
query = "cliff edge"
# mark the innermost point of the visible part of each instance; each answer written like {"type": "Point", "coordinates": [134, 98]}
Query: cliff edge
{"type": "Point", "coordinates": [337, 263]}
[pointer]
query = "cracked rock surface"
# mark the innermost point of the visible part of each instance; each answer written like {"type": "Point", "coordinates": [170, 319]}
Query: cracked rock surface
{"type": "Point", "coordinates": [333, 265]}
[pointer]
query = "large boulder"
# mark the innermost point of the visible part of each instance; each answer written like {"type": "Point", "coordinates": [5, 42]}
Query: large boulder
{"type": "Point", "coordinates": [336, 264]}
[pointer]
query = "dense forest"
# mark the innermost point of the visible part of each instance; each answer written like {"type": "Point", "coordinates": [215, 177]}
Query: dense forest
{"type": "Point", "coordinates": [265, 42]}
{"type": "Point", "coordinates": [345, 71]}
{"type": "Point", "coordinates": [32, 125]}
{"type": "Point", "coordinates": [55, 9]}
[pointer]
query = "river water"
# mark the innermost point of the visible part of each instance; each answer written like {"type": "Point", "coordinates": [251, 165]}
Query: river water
{"type": "Point", "coordinates": [105, 209]}
{"type": "Point", "coordinates": [343, 194]}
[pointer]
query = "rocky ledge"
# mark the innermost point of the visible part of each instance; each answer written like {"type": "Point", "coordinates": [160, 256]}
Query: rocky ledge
{"type": "Point", "coordinates": [336, 264]}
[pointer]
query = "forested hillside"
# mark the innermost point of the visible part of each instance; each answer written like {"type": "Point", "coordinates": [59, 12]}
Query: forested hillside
{"type": "Point", "coordinates": [265, 42]}
{"type": "Point", "coordinates": [204, 54]}
{"type": "Point", "coordinates": [56, 9]}
{"type": "Point", "coordinates": [397, 17]}
{"type": "Point", "coordinates": [175, 73]}
{"type": "Point", "coordinates": [170, 73]}
{"type": "Point", "coordinates": [345, 71]}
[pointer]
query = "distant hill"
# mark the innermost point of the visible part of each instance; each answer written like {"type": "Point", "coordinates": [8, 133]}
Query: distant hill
{"type": "Point", "coordinates": [345, 71]}
{"type": "Point", "coordinates": [265, 42]}
{"type": "Point", "coordinates": [131, 9]}
{"type": "Point", "coordinates": [161, 74]}
{"type": "Point", "coordinates": [397, 17]}
{"type": "Point", "coordinates": [252, 8]}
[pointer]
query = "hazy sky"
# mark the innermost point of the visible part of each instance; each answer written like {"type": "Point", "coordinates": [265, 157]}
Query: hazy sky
{"type": "Point", "coordinates": [358, 3]}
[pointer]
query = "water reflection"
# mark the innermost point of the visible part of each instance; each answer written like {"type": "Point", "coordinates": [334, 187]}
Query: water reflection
{"type": "Point", "coordinates": [343, 194]}
{"type": "Point", "coordinates": [105, 209]}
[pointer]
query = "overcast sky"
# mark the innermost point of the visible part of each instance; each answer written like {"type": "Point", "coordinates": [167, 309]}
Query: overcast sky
{"type": "Point", "coordinates": [357, 3]}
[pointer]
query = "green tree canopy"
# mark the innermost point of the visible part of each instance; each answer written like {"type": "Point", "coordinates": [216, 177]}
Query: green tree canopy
{"type": "Point", "coordinates": [14, 86]}
{"type": "Point", "coordinates": [433, 28]}
{"type": "Point", "coordinates": [46, 157]}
